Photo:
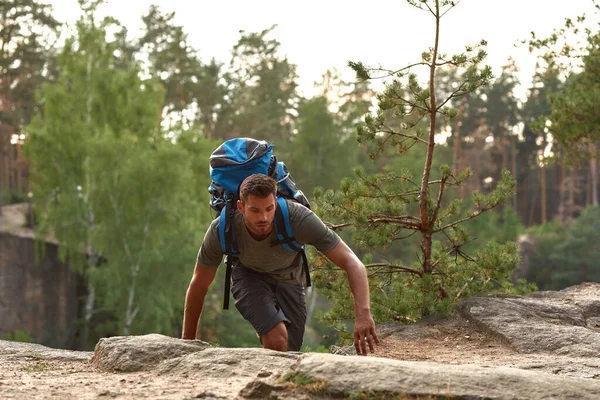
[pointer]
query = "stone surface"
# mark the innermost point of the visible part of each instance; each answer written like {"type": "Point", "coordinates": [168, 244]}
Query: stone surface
{"type": "Point", "coordinates": [136, 353]}
{"type": "Point", "coordinates": [562, 323]}
{"type": "Point", "coordinates": [355, 374]}
{"type": "Point", "coordinates": [36, 351]}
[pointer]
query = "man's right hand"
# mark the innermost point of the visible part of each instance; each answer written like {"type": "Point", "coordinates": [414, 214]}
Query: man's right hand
{"type": "Point", "coordinates": [364, 333]}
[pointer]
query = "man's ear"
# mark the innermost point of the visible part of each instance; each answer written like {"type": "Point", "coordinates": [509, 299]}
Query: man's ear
{"type": "Point", "coordinates": [240, 206]}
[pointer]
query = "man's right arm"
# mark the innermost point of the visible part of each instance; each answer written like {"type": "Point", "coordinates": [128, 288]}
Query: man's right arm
{"type": "Point", "coordinates": [194, 299]}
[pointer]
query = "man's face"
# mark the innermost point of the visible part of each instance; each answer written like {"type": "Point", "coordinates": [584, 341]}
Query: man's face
{"type": "Point", "coordinates": [258, 214]}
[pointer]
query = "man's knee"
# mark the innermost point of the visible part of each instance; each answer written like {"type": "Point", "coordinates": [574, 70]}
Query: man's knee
{"type": "Point", "coordinates": [276, 338]}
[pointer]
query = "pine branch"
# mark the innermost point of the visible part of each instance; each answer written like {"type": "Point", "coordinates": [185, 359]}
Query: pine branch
{"type": "Point", "coordinates": [390, 72]}
{"type": "Point", "coordinates": [391, 133]}
{"type": "Point", "coordinates": [453, 95]}
{"type": "Point", "coordinates": [336, 227]}
{"type": "Point", "coordinates": [391, 196]}
{"type": "Point", "coordinates": [470, 217]}
{"type": "Point", "coordinates": [405, 237]}
{"type": "Point", "coordinates": [430, 10]}
{"type": "Point", "coordinates": [453, 4]}
{"type": "Point", "coordinates": [396, 267]}
{"type": "Point", "coordinates": [408, 102]}
{"type": "Point", "coordinates": [402, 221]}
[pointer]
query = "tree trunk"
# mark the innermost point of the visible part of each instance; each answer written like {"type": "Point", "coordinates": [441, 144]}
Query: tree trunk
{"type": "Point", "coordinates": [426, 224]}
{"type": "Point", "coordinates": [457, 148]}
{"type": "Point", "coordinates": [504, 152]}
{"type": "Point", "coordinates": [544, 199]}
{"type": "Point", "coordinates": [130, 311]}
{"type": "Point", "coordinates": [571, 201]}
{"type": "Point", "coordinates": [90, 301]}
{"type": "Point", "coordinates": [531, 219]}
{"type": "Point", "coordinates": [593, 172]}
{"type": "Point", "coordinates": [513, 153]}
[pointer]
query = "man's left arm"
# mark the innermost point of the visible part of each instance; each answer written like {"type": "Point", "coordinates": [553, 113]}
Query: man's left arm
{"type": "Point", "coordinates": [364, 326]}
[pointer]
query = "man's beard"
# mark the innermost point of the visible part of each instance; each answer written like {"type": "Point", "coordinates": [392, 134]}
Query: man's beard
{"type": "Point", "coordinates": [258, 229]}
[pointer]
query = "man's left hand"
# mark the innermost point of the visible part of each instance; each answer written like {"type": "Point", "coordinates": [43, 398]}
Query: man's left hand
{"type": "Point", "coordinates": [364, 332]}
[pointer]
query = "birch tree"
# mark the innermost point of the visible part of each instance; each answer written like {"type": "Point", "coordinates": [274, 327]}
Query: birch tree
{"type": "Point", "coordinates": [112, 190]}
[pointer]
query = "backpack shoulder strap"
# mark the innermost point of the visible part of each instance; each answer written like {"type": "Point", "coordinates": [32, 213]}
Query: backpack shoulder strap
{"type": "Point", "coordinates": [283, 228]}
{"type": "Point", "coordinates": [285, 237]}
{"type": "Point", "coordinates": [228, 246]}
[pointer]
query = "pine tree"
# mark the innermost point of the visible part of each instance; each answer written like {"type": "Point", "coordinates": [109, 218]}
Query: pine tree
{"type": "Point", "coordinates": [27, 31]}
{"type": "Point", "coordinates": [390, 206]}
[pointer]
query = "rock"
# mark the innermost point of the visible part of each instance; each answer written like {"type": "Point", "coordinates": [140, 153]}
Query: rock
{"type": "Point", "coordinates": [226, 363]}
{"type": "Point", "coordinates": [251, 372]}
{"type": "Point", "coordinates": [257, 389]}
{"type": "Point", "coordinates": [20, 350]}
{"type": "Point", "coordinates": [344, 376]}
{"type": "Point", "coordinates": [136, 353]}
{"type": "Point", "coordinates": [562, 323]}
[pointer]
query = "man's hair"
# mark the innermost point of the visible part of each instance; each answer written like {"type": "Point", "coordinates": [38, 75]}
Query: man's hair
{"type": "Point", "coordinates": [258, 185]}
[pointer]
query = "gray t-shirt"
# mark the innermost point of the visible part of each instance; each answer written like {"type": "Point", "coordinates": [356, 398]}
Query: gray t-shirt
{"type": "Point", "coordinates": [260, 256]}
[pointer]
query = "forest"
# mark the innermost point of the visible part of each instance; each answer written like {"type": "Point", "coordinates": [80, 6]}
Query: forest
{"type": "Point", "coordinates": [445, 183]}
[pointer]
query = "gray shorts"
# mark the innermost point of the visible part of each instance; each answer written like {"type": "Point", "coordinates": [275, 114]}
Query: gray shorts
{"type": "Point", "coordinates": [264, 302]}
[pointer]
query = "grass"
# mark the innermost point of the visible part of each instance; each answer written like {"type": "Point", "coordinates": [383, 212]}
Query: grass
{"type": "Point", "coordinates": [369, 395]}
{"type": "Point", "coordinates": [39, 366]}
{"type": "Point", "coordinates": [299, 380]}
{"type": "Point", "coordinates": [35, 356]}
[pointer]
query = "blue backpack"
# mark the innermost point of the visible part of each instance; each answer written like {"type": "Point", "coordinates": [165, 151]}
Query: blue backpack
{"type": "Point", "coordinates": [230, 164]}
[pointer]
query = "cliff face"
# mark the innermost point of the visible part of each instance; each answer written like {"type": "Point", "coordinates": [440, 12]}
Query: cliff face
{"type": "Point", "coordinates": [38, 297]}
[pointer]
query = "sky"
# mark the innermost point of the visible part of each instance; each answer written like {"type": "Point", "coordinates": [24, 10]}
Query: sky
{"type": "Point", "coordinates": [317, 35]}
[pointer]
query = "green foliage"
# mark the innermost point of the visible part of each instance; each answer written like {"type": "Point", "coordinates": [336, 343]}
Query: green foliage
{"type": "Point", "coordinates": [398, 294]}
{"type": "Point", "coordinates": [262, 92]}
{"type": "Point", "coordinates": [28, 29]}
{"type": "Point", "coordinates": [193, 90]}
{"type": "Point", "coordinates": [18, 336]}
{"type": "Point", "coordinates": [304, 382]}
{"type": "Point", "coordinates": [565, 257]}
{"type": "Point", "coordinates": [298, 378]}
{"type": "Point", "coordinates": [320, 349]}
{"type": "Point", "coordinates": [13, 197]}
{"type": "Point", "coordinates": [325, 126]}
{"type": "Point", "coordinates": [499, 226]}
{"type": "Point", "coordinates": [574, 117]}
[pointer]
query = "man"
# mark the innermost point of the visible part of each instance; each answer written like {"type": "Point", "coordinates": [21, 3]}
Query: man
{"type": "Point", "coordinates": [268, 280]}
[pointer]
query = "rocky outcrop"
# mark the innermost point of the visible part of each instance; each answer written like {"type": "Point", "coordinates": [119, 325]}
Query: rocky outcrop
{"type": "Point", "coordinates": [346, 375]}
{"type": "Point", "coordinates": [556, 335]}
{"type": "Point", "coordinates": [562, 323]}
